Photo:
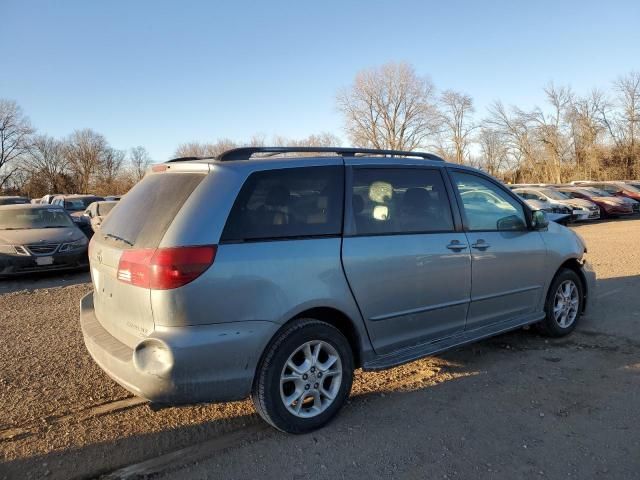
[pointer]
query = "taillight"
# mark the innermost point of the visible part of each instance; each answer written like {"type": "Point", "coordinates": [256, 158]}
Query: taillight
{"type": "Point", "coordinates": [164, 268]}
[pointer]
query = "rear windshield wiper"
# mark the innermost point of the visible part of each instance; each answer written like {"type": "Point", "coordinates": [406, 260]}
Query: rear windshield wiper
{"type": "Point", "coordinates": [115, 237]}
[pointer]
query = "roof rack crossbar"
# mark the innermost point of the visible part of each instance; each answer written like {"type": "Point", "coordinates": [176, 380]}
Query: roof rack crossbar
{"type": "Point", "coordinates": [245, 153]}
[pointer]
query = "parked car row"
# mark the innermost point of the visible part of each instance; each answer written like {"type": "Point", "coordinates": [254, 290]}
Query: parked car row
{"type": "Point", "coordinates": [51, 233]}
{"type": "Point", "coordinates": [583, 200]}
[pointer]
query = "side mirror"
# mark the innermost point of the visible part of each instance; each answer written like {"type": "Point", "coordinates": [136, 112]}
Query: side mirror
{"type": "Point", "coordinates": [510, 223]}
{"type": "Point", "coordinates": [539, 220]}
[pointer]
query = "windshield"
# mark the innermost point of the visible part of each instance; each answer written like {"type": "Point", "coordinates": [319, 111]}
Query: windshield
{"type": "Point", "coordinates": [554, 194]}
{"type": "Point", "coordinates": [33, 218]}
{"type": "Point", "coordinates": [13, 201]}
{"type": "Point", "coordinates": [77, 204]}
{"type": "Point", "coordinates": [630, 187]}
{"type": "Point", "coordinates": [598, 193]}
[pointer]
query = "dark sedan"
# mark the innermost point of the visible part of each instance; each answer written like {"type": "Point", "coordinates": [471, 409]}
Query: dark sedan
{"type": "Point", "coordinates": [39, 238]}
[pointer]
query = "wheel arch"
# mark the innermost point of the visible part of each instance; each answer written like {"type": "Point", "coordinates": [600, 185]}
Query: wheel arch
{"type": "Point", "coordinates": [575, 265]}
{"type": "Point", "coordinates": [339, 320]}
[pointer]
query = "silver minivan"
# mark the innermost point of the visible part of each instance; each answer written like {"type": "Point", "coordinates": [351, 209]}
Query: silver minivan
{"type": "Point", "coordinates": [275, 272]}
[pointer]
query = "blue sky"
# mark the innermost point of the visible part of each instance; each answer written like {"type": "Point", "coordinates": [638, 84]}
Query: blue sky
{"type": "Point", "coordinates": [158, 73]}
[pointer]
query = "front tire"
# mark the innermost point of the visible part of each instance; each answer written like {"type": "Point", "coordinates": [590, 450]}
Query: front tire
{"type": "Point", "coordinates": [304, 377]}
{"type": "Point", "coordinates": [564, 304]}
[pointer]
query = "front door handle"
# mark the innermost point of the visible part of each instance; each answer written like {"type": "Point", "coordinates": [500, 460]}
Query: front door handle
{"type": "Point", "coordinates": [455, 245]}
{"type": "Point", "coordinates": [480, 245]}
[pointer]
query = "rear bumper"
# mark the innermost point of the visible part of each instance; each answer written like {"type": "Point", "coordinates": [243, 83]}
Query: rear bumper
{"type": "Point", "coordinates": [23, 264]}
{"type": "Point", "coordinates": [210, 363]}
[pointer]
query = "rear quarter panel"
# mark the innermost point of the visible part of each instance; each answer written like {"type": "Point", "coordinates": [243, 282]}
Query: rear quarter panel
{"type": "Point", "coordinates": [269, 280]}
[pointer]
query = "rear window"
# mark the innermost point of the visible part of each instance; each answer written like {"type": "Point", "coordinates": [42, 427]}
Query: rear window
{"type": "Point", "coordinates": [288, 203]}
{"type": "Point", "coordinates": [145, 213]}
{"type": "Point", "coordinates": [78, 204]}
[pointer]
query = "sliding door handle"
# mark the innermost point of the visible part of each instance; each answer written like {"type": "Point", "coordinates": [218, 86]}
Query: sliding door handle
{"type": "Point", "coordinates": [480, 245]}
{"type": "Point", "coordinates": [456, 246]}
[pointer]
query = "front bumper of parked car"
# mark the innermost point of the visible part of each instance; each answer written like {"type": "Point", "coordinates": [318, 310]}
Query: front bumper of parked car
{"type": "Point", "coordinates": [20, 264]}
{"type": "Point", "coordinates": [583, 214]}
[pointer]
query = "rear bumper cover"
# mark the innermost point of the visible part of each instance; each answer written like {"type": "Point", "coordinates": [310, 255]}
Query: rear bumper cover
{"type": "Point", "coordinates": [209, 363]}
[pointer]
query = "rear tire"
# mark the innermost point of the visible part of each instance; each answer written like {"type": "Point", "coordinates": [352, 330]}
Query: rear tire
{"type": "Point", "coordinates": [563, 305]}
{"type": "Point", "coordinates": [304, 378]}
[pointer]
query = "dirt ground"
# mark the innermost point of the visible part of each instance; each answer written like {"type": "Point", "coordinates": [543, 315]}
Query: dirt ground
{"type": "Point", "coordinates": [515, 406]}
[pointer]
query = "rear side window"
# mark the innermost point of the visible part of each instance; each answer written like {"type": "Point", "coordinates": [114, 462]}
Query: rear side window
{"type": "Point", "coordinates": [399, 200]}
{"type": "Point", "coordinates": [145, 213]}
{"type": "Point", "coordinates": [287, 203]}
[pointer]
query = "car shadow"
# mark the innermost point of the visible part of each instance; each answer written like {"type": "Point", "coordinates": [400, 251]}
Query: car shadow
{"type": "Point", "coordinates": [35, 281]}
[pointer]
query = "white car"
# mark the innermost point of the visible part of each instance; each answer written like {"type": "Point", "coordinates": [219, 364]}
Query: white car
{"type": "Point", "coordinates": [581, 209]}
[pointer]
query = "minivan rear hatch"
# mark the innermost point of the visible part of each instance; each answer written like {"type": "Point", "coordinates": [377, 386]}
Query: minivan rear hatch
{"type": "Point", "coordinates": [138, 223]}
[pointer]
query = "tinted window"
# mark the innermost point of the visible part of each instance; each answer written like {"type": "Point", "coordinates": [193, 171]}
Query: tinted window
{"type": "Point", "coordinates": [78, 204]}
{"type": "Point", "coordinates": [146, 212]}
{"type": "Point", "coordinates": [402, 200]}
{"type": "Point", "coordinates": [607, 188]}
{"type": "Point", "coordinates": [295, 202]}
{"type": "Point", "coordinates": [527, 195]}
{"type": "Point", "coordinates": [487, 206]}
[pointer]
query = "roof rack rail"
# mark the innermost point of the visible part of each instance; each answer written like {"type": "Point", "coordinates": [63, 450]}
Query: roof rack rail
{"type": "Point", "coordinates": [245, 153]}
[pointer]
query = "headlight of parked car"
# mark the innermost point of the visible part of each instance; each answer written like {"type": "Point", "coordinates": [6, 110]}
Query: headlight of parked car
{"type": "Point", "coordinates": [10, 249]}
{"type": "Point", "coordinates": [72, 246]}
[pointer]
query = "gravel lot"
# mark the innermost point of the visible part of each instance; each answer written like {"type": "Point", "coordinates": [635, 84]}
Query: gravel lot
{"type": "Point", "coordinates": [516, 406]}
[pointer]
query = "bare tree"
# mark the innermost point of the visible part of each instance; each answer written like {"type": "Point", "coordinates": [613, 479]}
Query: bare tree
{"type": "Point", "coordinates": [493, 149]}
{"type": "Point", "coordinates": [389, 107]}
{"type": "Point", "coordinates": [47, 160]}
{"type": "Point", "coordinates": [85, 152]}
{"type": "Point", "coordinates": [627, 89]}
{"type": "Point", "coordinates": [587, 131]}
{"type": "Point", "coordinates": [109, 168]}
{"type": "Point", "coordinates": [324, 139]}
{"type": "Point", "coordinates": [15, 134]}
{"type": "Point", "coordinates": [551, 131]}
{"type": "Point", "coordinates": [198, 149]}
{"type": "Point", "coordinates": [515, 130]}
{"type": "Point", "coordinates": [140, 162]}
{"type": "Point", "coordinates": [456, 110]}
